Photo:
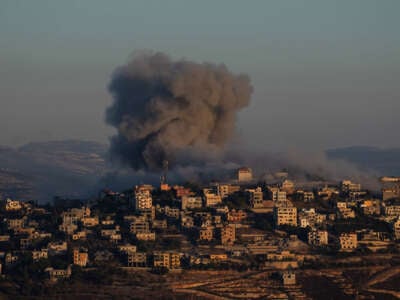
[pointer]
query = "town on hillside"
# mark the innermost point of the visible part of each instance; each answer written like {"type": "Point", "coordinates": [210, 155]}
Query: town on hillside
{"type": "Point", "coordinates": [278, 233]}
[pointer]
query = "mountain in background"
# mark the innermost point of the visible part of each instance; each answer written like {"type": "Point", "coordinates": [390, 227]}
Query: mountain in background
{"type": "Point", "coordinates": [41, 170]}
{"type": "Point", "coordinates": [73, 168]}
{"type": "Point", "coordinates": [383, 162]}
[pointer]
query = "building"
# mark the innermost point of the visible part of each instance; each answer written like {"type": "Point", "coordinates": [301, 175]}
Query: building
{"type": "Point", "coordinates": [228, 235]}
{"type": "Point", "coordinates": [245, 174]}
{"type": "Point", "coordinates": [278, 195]}
{"type": "Point", "coordinates": [136, 259]}
{"type": "Point", "coordinates": [211, 199]}
{"type": "Point", "coordinates": [143, 198]}
{"type": "Point", "coordinates": [146, 236]}
{"type": "Point", "coordinates": [125, 248]}
{"type": "Point", "coordinates": [56, 274]}
{"type": "Point", "coordinates": [170, 260]}
{"type": "Point", "coordinates": [256, 197]}
{"type": "Point", "coordinates": [396, 229]}
{"type": "Point", "coordinates": [285, 214]}
{"type": "Point", "coordinates": [347, 186]}
{"type": "Point", "coordinates": [191, 202]}
{"type": "Point", "coordinates": [371, 207]}
{"type": "Point", "coordinates": [181, 191]}
{"type": "Point", "coordinates": [80, 257]}
{"type": "Point", "coordinates": [344, 211]}
{"type": "Point", "coordinates": [13, 205]}
{"type": "Point", "coordinates": [288, 277]}
{"type": "Point", "coordinates": [90, 221]}
{"type": "Point", "coordinates": [57, 248]}
{"type": "Point", "coordinates": [392, 210]}
{"type": "Point", "coordinates": [309, 218]}
{"type": "Point", "coordinates": [206, 233]}
{"type": "Point", "coordinates": [236, 216]}
{"type": "Point", "coordinates": [288, 186]}
{"type": "Point", "coordinates": [224, 190]}
{"type": "Point", "coordinates": [348, 241]}
{"type": "Point", "coordinates": [139, 224]}
{"type": "Point", "coordinates": [318, 237]}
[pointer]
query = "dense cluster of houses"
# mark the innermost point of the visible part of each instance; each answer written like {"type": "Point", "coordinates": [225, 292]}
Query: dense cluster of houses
{"type": "Point", "coordinates": [174, 227]}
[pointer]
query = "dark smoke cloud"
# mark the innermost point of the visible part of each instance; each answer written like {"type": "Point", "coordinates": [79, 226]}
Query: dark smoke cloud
{"type": "Point", "coordinates": [179, 111]}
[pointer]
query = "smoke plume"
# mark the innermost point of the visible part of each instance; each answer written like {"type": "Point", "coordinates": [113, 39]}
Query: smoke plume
{"type": "Point", "coordinates": [175, 111]}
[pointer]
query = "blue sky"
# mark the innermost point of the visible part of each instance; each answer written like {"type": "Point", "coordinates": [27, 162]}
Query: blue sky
{"type": "Point", "coordinates": [325, 73]}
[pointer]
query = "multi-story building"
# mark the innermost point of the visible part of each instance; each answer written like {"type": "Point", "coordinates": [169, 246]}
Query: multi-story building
{"type": "Point", "coordinates": [318, 237]}
{"type": "Point", "coordinates": [170, 260]}
{"type": "Point", "coordinates": [278, 195]}
{"type": "Point", "coordinates": [13, 205]}
{"type": "Point", "coordinates": [211, 199]}
{"type": "Point", "coordinates": [287, 186]}
{"type": "Point", "coordinates": [228, 235]}
{"type": "Point", "coordinates": [39, 254]}
{"type": "Point", "coordinates": [310, 218]}
{"type": "Point", "coordinates": [136, 259]}
{"type": "Point", "coordinates": [371, 207]}
{"type": "Point", "coordinates": [125, 248]}
{"type": "Point", "coordinates": [224, 190]}
{"type": "Point", "coordinates": [90, 221]}
{"type": "Point", "coordinates": [344, 211]}
{"type": "Point", "coordinates": [80, 257]}
{"type": "Point", "coordinates": [396, 229]}
{"type": "Point", "coordinates": [139, 224]}
{"type": "Point", "coordinates": [191, 202]}
{"type": "Point", "coordinates": [206, 233]}
{"type": "Point", "coordinates": [392, 210]}
{"type": "Point", "coordinates": [236, 216]}
{"type": "Point", "coordinates": [143, 198]}
{"type": "Point", "coordinates": [146, 236]}
{"type": "Point", "coordinates": [347, 186]}
{"type": "Point", "coordinates": [16, 223]}
{"type": "Point", "coordinates": [245, 174]}
{"type": "Point", "coordinates": [256, 197]}
{"type": "Point", "coordinates": [348, 241]}
{"type": "Point", "coordinates": [285, 214]}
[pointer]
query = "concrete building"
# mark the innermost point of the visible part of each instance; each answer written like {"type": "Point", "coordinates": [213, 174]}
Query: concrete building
{"type": "Point", "coordinates": [143, 198]}
{"type": "Point", "coordinates": [371, 207]}
{"type": "Point", "coordinates": [256, 197]}
{"type": "Point", "coordinates": [80, 257]}
{"type": "Point", "coordinates": [288, 186]}
{"type": "Point", "coordinates": [396, 229]}
{"type": "Point", "coordinates": [288, 277]}
{"type": "Point", "coordinates": [318, 237]}
{"type": "Point", "coordinates": [392, 210]}
{"type": "Point", "coordinates": [236, 216]}
{"type": "Point", "coordinates": [344, 211]}
{"type": "Point", "coordinates": [310, 218]}
{"type": "Point", "coordinates": [347, 186]}
{"type": "Point", "coordinates": [285, 214]}
{"type": "Point", "coordinates": [228, 235]}
{"type": "Point", "coordinates": [211, 199]}
{"type": "Point", "coordinates": [139, 224]}
{"type": "Point", "coordinates": [224, 190]}
{"type": "Point", "coordinates": [136, 259]}
{"type": "Point", "coordinates": [348, 241]}
{"type": "Point", "coordinates": [13, 205]}
{"type": "Point", "coordinates": [206, 233]}
{"type": "Point", "coordinates": [191, 202]}
{"type": "Point", "coordinates": [170, 260]}
{"type": "Point", "coordinates": [245, 174]}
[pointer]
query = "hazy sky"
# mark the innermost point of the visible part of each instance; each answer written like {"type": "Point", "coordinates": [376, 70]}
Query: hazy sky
{"type": "Point", "coordinates": [325, 73]}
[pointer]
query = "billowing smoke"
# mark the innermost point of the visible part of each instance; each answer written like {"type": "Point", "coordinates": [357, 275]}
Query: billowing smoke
{"type": "Point", "coordinates": [176, 111]}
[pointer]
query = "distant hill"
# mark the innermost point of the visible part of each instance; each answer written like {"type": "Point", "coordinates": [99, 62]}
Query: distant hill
{"type": "Point", "coordinates": [381, 161]}
{"type": "Point", "coordinates": [40, 170]}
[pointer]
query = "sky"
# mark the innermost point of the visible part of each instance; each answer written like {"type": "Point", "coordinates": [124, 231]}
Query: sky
{"type": "Point", "coordinates": [325, 74]}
